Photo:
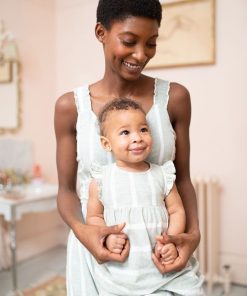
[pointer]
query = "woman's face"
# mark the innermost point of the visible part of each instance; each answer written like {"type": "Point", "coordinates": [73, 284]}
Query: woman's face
{"type": "Point", "coordinates": [129, 45]}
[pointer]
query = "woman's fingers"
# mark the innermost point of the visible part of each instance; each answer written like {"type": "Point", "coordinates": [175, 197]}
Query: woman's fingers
{"type": "Point", "coordinates": [121, 256]}
{"type": "Point", "coordinates": [164, 268]}
{"type": "Point", "coordinates": [166, 239]}
{"type": "Point", "coordinates": [115, 229]}
{"type": "Point", "coordinates": [185, 245]}
{"type": "Point", "coordinates": [96, 244]}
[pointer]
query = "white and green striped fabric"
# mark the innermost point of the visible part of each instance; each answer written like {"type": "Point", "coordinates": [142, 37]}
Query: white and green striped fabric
{"type": "Point", "coordinates": [137, 198]}
{"type": "Point", "coordinates": [80, 266]}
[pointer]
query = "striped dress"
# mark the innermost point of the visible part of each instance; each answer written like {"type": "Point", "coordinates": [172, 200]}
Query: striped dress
{"type": "Point", "coordinates": [81, 273]}
{"type": "Point", "coordinates": [137, 198]}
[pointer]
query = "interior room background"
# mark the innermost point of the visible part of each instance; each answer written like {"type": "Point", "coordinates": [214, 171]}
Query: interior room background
{"type": "Point", "coordinates": [58, 52]}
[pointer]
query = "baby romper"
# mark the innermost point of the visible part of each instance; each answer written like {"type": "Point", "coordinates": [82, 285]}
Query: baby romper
{"type": "Point", "coordinates": [137, 198]}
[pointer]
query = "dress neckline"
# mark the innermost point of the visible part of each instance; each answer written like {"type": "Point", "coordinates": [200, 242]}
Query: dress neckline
{"type": "Point", "coordinates": [147, 114]}
{"type": "Point", "coordinates": [132, 172]}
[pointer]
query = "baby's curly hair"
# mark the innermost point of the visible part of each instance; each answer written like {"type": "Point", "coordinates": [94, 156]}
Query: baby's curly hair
{"type": "Point", "coordinates": [109, 11]}
{"type": "Point", "coordinates": [117, 105]}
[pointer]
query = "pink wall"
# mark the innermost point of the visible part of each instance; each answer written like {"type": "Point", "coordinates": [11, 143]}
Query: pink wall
{"type": "Point", "coordinates": [33, 25]}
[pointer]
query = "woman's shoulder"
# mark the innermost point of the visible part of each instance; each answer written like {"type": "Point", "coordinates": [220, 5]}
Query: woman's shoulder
{"type": "Point", "coordinates": [66, 103]}
{"type": "Point", "coordinates": [179, 92]}
{"type": "Point", "coordinates": [65, 108]}
{"type": "Point", "coordinates": [179, 105]}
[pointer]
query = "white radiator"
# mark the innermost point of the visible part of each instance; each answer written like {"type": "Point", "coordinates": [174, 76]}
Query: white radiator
{"type": "Point", "coordinates": [208, 194]}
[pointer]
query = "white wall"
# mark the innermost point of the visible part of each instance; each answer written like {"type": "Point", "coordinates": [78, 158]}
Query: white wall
{"type": "Point", "coordinates": [218, 128]}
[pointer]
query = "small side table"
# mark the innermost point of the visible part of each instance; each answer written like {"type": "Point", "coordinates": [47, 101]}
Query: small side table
{"type": "Point", "coordinates": [21, 200]}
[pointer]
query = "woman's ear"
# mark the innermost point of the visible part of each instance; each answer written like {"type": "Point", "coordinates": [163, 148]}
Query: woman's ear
{"type": "Point", "coordinates": [100, 32]}
{"type": "Point", "coordinates": [105, 143]}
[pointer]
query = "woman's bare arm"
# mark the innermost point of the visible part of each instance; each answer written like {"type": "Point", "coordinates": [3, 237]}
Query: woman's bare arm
{"type": "Point", "coordinates": [65, 128]}
{"type": "Point", "coordinates": [179, 109]}
{"type": "Point", "coordinates": [180, 113]}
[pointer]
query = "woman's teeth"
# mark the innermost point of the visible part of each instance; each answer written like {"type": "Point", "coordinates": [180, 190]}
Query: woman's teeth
{"type": "Point", "coordinates": [131, 66]}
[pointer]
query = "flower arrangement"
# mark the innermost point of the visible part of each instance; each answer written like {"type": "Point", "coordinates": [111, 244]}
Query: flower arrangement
{"type": "Point", "coordinates": [10, 177]}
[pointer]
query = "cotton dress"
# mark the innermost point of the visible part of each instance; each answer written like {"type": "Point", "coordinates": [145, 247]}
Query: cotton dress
{"type": "Point", "coordinates": [80, 272]}
{"type": "Point", "coordinates": [137, 198]}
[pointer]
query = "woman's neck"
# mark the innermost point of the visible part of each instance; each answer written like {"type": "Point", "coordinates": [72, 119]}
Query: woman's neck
{"type": "Point", "coordinates": [111, 87]}
{"type": "Point", "coordinates": [117, 87]}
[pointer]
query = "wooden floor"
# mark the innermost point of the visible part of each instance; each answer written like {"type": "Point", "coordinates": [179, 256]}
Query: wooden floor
{"type": "Point", "coordinates": [46, 265]}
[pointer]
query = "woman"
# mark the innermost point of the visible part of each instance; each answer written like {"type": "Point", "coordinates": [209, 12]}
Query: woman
{"type": "Point", "coordinates": [128, 31]}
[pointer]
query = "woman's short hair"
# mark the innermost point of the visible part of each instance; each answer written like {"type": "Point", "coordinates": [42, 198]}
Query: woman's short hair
{"type": "Point", "coordinates": [109, 11]}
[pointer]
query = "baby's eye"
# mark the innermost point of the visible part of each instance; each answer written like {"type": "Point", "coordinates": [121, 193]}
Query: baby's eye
{"type": "Point", "coordinates": [144, 130]}
{"type": "Point", "coordinates": [125, 132]}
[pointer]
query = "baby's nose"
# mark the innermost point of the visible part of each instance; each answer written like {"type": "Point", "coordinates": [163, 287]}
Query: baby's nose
{"type": "Point", "coordinates": [136, 137]}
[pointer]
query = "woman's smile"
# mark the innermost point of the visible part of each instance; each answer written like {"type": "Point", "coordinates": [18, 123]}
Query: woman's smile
{"type": "Point", "coordinates": [132, 66]}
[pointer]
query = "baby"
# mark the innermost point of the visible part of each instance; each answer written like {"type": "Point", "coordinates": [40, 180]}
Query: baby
{"type": "Point", "coordinates": [144, 197]}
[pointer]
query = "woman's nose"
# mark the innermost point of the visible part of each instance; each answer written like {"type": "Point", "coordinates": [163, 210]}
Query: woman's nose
{"type": "Point", "coordinates": [140, 55]}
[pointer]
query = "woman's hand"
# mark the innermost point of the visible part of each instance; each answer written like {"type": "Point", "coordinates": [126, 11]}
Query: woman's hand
{"type": "Point", "coordinates": [186, 244]}
{"type": "Point", "coordinates": [93, 238]}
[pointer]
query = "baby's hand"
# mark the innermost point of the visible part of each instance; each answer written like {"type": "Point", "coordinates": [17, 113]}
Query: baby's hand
{"type": "Point", "coordinates": [115, 242]}
{"type": "Point", "coordinates": [167, 253]}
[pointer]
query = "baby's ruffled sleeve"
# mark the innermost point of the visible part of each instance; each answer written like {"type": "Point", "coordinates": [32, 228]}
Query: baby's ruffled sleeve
{"type": "Point", "coordinates": [96, 172]}
{"type": "Point", "coordinates": [169, 171]}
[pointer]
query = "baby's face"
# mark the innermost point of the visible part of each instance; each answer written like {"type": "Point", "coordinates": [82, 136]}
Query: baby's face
{"type": "Point", "coordinates": [127, 135]}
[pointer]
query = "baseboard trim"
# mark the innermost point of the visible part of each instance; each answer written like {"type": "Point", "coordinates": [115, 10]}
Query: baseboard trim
{"type": "Point", "coordinates": [237, 264]}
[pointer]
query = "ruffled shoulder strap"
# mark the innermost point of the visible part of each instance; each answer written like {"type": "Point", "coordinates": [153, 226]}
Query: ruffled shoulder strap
{"type": "Point", "coordinates": [96, 171]}
{"type": "Point", "coordinates": [161, 92]}
{"type": "Point", "coordinates": [82, 99]}
{"type": "Point", "coordinates": [169, 171]}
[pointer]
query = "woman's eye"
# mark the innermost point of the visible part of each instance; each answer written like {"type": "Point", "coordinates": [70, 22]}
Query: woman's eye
{"type": "Point", "coordinates": [152, 45]}
{"type": "Point", "coordinates": [128, 43]}
{"type": "Point", "coordinates": [125, 132]}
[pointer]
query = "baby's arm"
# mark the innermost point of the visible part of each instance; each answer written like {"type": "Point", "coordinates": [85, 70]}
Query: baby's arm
{"type": "Point", "coordinates": [176, 213]}
{"type": "Point", "coordinates": [95, 216]}
{"type": "Point", "coordinates": [95, 209]}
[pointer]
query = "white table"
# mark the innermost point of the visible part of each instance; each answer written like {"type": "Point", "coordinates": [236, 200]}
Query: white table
{"type": "Point", "coordinates": [22, 200]}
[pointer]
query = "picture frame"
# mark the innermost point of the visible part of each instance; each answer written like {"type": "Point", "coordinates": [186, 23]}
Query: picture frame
{"type": "Point", "coordinates": [186, 34]}
{"type": "Point", "coordinates": [10, 102]}
{"type": "Point", "coordinates": [5, 72]}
